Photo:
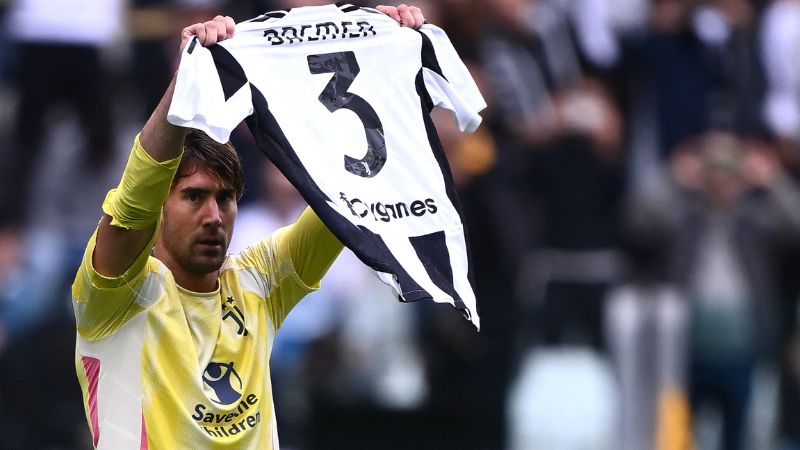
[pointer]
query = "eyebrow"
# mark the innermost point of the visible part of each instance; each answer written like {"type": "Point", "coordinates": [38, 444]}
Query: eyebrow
{"type": "Point", "coordinates": [206, 191]}
{"type": "Point", "coordinates": [196, 190]}
{"type": "Point", "coordinates": [228, 191]}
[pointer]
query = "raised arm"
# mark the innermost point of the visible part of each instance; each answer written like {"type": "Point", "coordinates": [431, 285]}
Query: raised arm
{"type": "Point", "coordinates": [132, 210]}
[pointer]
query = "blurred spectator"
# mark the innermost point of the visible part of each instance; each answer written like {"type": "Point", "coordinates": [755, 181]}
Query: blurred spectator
{"type": "Point", "coordinates": [62, 144]}
{"type": "Point", "coordinates": [700, 59]}
{"type": "Point", "coordinates": [60, 61]}
{"type": "Point", "coordinates": [578, 258]}
{"type": "Point", "coordinates": [6, 58]}
{"type": "Point", "coordinates": [729, 30]}
{"type": "Point", "coordinates": [701, 70]}
{"type": "Point", "coordinates": [558, 180]}
{"type": "Point", "coordinates": [731, 208]}
{"type": "Point", "coordinates": [152, 25]}
{"type": "Point", "coordinates": [780, 46]}
{"type": "Point", "coordinates": [602, 26]}
{"type": "Point", "coordinates": [549, 120]}
{"type": "Point", "coordinates": [526, 53]}
{"type": "Point", "coordinates": [647, 326]}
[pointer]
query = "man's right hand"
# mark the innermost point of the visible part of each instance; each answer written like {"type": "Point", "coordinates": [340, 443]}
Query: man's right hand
{"type": "Point", "coordinates": [117, 248]}
{"type": "Point", "coordinates": [161, 139]}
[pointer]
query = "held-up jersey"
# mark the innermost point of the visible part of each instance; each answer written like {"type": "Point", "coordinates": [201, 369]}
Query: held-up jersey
{"type": "Point", "coordinates": [162, 367]}
{"type": "Point", "coordinates": [338, 97]}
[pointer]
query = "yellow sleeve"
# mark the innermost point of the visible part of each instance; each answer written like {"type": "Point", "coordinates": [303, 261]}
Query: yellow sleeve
{"type": "Point", "coordinates": [103, 304]}
{"type": "Point", "coordinates": [293, 261]}
{"type": "Point", "coordinates": [312, 246]}
{"type": "Point", "coordinates": [136, 203]}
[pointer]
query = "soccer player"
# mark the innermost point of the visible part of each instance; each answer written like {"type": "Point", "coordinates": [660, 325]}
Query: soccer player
{"type": "Point", "coordinates": [174, 334]}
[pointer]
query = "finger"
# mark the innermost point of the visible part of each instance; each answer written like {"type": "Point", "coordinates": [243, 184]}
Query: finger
{"type": "Point", "coordinates": [390, 11]}
{"type": "Point", "coordinates": [225, 27]}
{"type": "Point", "coordinates": [198, 30]}
{"type": "Point", "coordinates": [211, 34]}
{"type": "Point", "coordinates": [406, 18]}
{"type": "Point", "coordinates": [186, 36]}
{"type": "Point", "coordinates": [230, 26]}
{"type": "Point", "coordinates": [419, 19]}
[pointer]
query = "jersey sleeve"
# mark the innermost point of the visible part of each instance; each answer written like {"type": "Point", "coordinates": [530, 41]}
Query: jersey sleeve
{"type": "Point", "coordinates": [212, 93]}
{"type": "Point", "coordinates": [103, 304]}
{"type": "Point", "coordinates": [293, 261]}
{"type": "Point", "coordinates": [448, 80]}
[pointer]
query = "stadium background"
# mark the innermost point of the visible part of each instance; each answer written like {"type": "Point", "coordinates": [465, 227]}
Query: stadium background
{"type": "Point", "coordinates": [630, 199]}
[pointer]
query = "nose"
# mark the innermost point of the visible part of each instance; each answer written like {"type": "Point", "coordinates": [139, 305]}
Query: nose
{"type": "Point", "coordinates": [211, 214]}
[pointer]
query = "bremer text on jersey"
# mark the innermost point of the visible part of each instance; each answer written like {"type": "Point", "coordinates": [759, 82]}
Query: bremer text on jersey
{"type": "Point", "coordinates": [319, 32]}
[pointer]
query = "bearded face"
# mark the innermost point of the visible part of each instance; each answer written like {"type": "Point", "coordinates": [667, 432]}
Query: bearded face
{"type": "Point", "coordinates": [197, 225]}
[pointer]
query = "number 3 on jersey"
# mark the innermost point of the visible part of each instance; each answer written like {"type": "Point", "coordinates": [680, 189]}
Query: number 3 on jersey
{"type": "Point", "coordinates": [344, 67]}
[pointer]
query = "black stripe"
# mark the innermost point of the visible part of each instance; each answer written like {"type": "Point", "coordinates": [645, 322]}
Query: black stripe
{"type": "Point", "coordinates": [432, 251]}
{"type": "Point", "coordinates": [192, 45]}
{"type": "Point", "coordinates": [426, 105]}
{"type": "Point", "coordinates": [422, 91]}
{"type": "Point", "coordinates": [371, 10]}
{"type": "Point", "coordinates": [347, 7]}
{"type": "Point", "coordinates": [428, 55]}
{"type": "Point", "coordinates": [230, 72]}
{"type": "Point", "coordinates": [411, 290]}
{"type": "Point", "coordinates": [270, 15]}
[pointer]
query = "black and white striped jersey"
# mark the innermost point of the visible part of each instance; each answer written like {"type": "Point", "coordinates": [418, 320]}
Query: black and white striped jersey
{"type": "Point", "coordinates": [338, 97]}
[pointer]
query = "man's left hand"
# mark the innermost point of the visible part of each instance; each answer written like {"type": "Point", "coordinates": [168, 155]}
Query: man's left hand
{"type": "Point", "coordinates": [407, 16]}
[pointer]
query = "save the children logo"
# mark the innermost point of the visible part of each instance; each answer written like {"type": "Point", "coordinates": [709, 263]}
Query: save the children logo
{"type": "Point", "coordinates": [224, 381]}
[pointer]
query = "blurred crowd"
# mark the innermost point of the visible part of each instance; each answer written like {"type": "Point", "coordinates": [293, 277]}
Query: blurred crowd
{"type": "Point", "coordinates": [632, 201]}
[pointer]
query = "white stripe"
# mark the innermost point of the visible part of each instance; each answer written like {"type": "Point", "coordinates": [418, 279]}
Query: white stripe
{"type": "Point", "coordinates": [251, 280]}
{"type": "Point", "coordinates": [457, 250]}
{"type": "Point", "coordinates": [119, 387]}
{"type": "Point", "coordinates": [152, 287]}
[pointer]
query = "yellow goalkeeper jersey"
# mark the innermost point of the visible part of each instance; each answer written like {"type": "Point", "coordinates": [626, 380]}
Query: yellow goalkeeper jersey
{"type": "Point", "coordinates": [162, 367]}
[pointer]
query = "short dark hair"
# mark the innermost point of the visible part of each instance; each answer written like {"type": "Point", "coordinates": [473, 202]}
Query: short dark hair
{"type": "Point", "coordinates": [221, 160]}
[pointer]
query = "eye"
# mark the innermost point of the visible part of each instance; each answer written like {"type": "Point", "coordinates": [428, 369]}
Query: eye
{"type": "Point", "coordinates": [226, 197]}
{"type": "Point", "coordinates": [193, 197]}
